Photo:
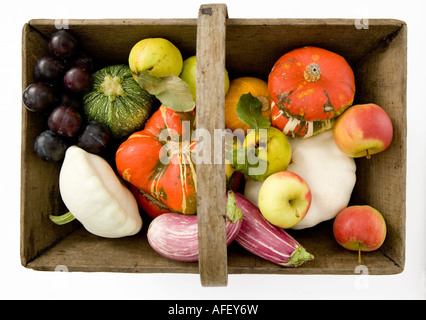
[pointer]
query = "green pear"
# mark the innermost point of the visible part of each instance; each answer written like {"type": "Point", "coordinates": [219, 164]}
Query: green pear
{"type": "Point", "coordinates": [158, 55]}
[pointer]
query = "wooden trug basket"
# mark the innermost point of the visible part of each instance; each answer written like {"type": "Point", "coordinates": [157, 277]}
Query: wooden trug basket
{"type": "Point", "coordinates": [248, 47]}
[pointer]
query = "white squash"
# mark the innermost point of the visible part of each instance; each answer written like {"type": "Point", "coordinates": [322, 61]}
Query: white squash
{"type": "Point", "coordinates": [96, 196]}
{"type": "Point", "coordinates": [329, 173]}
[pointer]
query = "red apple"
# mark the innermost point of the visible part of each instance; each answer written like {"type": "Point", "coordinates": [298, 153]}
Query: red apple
{"type": "Point", "coordinates": [359, 228]}
{"type": "Point", "coordinates": [363, 130]}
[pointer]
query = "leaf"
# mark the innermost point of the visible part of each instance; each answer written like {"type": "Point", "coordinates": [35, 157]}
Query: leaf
{"type": "Point", "coordinates": [177, 95]}
{"type": "Point", "coordinates": [154, 85]}
{"type": "Point", "coordinates": [172, 91]}
{"type": "Point", "coordinates": [245, 160]}
{"type": "Point", "coordinates": [249, 111]}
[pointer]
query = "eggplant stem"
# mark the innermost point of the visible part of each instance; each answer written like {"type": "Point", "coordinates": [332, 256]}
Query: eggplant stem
{"type": "Point", "coordinates": [233, 213]}
{"type": "Point", "coordinates": [298, 257]}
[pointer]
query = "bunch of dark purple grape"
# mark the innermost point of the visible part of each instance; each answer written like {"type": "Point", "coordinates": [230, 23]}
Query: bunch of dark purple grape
{"type": "Point", "coordinates": [61, 80]}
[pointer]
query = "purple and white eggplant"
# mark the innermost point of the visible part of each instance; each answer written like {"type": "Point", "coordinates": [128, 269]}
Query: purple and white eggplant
{"type": "Point", "coordinates": [175, 235]}
{"type": "Point", "coordinates": [265, 240]}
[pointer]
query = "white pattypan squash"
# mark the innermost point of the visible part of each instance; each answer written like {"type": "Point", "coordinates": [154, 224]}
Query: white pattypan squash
{"type": "Point", "coordinates": [96, 196]}
{"type": "Point", "coordinates": [329, 173]}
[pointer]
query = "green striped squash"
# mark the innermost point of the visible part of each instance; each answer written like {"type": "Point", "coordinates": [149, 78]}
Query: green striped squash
{"type": "Point", "coordinates": [117, 101]}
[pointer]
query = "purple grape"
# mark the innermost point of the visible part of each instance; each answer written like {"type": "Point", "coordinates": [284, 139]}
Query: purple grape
{"type": "Point", "coordinates": [40, 97]}
{"type": "Point", "coordinates": [49, 69]}
{"type": "Point", "coordinates": [84, 61]}
{"type": "Point", "coordinates": [94, 138]}
{"type": "Point", "coordinates": [63, 44]}
{"type": "Point", "coordinates": [65, 121]}
{"type": "Point", "coordinates": [50, 147]}
{"type": "Point", "coordinates": [77, 79]}
{"type": "Point", "coordinates": [71, 100]}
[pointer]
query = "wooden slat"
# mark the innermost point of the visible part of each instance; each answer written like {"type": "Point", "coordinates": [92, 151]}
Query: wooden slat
{"type": "Point", "coordinates": [211, 183]}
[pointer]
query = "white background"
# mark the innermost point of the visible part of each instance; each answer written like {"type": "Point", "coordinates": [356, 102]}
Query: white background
{"type": "Point", "coordinates": [17, 282]}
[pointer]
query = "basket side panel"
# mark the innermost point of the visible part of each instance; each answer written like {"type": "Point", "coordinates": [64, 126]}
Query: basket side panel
{"type": "Point", "coordinates": [381, 180]}
{"type": "Point", "coordinates": [253, 46]}
{"type": "Point", "coordinates": [110, 40]}
{"type": "Point", "coordinates": [39, 180]}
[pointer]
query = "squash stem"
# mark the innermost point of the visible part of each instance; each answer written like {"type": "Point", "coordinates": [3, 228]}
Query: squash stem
{"type": "Point", "coordinates": [111, 87]}
{"type": "Point", "coordinates": [312, 72]}
{"type": "Point", "coordinates": [63, 219]}
{"type": "Point", "coordinates": [265, 103]}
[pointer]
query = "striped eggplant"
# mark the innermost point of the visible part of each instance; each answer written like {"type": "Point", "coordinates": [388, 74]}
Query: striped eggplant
{"type": "Point", "coordinates": [175, 235]}
{"type": "Point", "coordinates": [263, 239]}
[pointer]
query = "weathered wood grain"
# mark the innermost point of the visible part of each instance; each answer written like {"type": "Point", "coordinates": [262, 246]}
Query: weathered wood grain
{"type": "Point", "coordinates": [211, 181]}
{"type": "Point", "coordinates": [381, 78]}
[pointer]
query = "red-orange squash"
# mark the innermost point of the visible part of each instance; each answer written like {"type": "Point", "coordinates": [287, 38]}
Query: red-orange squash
{"type": "Point", "coordinates": [310, 84]}
{"type": "Point", "coordinates": [147, 204]}
{"type": "Point", "coordinates": [157, 160]}
{"type": "Point", "coordinates": [296, 127]}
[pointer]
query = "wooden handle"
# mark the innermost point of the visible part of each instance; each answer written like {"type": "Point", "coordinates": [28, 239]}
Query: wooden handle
{"type": "Point", "coordinates": [210, 118]}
